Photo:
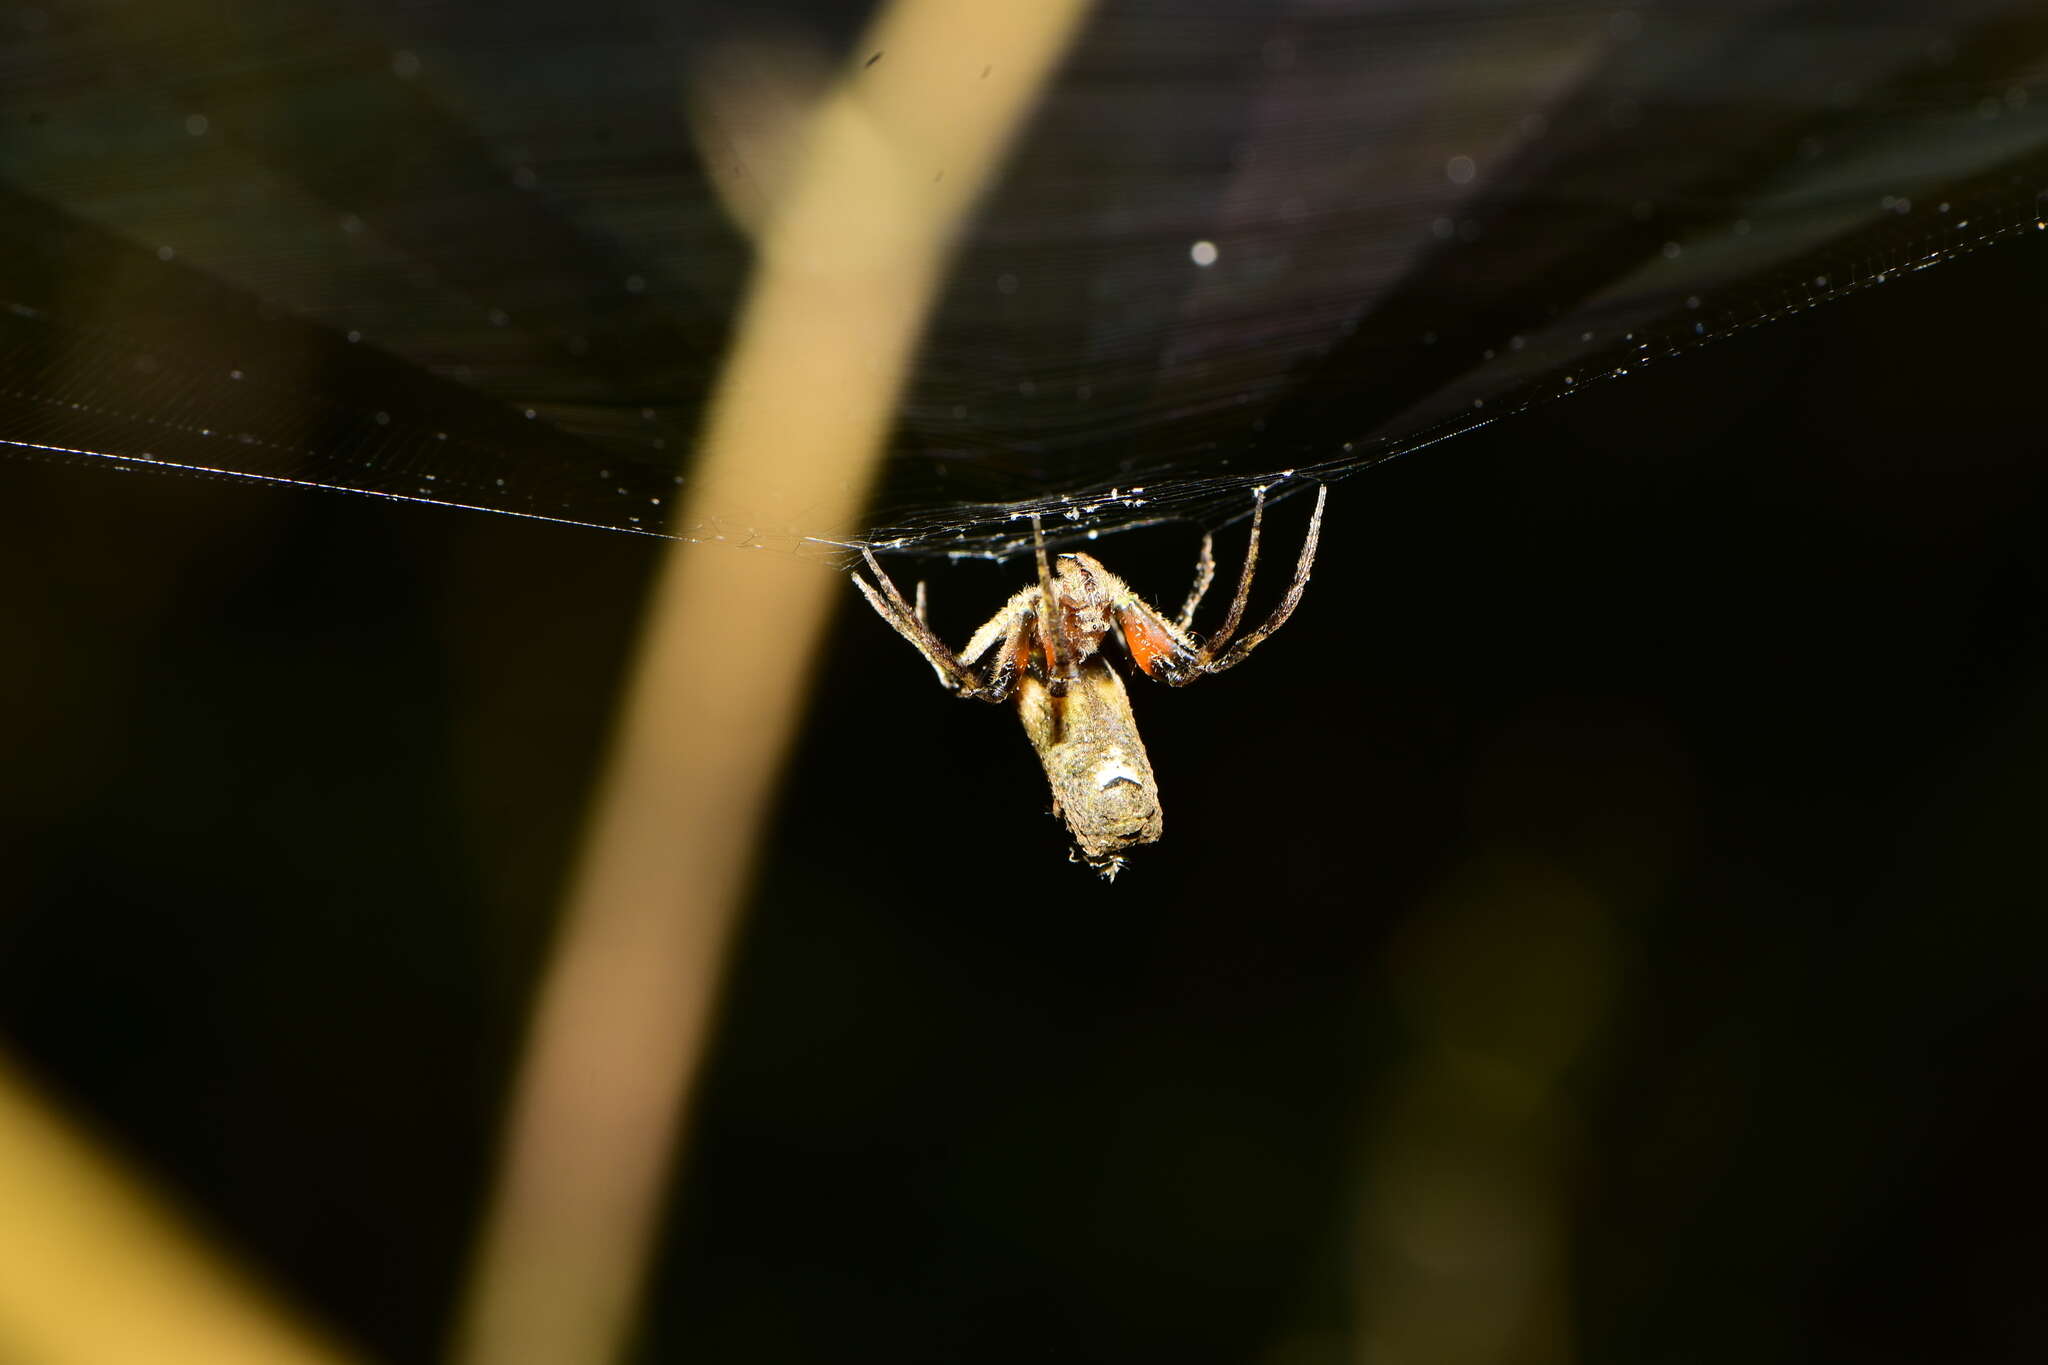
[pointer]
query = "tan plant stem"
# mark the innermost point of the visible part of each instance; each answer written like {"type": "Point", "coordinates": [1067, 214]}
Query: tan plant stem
{"type": "Point", "coordinates": [95, 1268]}
{"type": "Point", "coordinates": [850, 261]}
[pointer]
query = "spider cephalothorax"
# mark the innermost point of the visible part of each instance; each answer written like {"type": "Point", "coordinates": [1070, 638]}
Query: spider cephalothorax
{"type": "Point", "coordinates": [1072, 701]}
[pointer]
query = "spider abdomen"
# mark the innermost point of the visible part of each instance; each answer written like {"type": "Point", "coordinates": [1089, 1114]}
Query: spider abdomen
{"type": "Point", "coordinates": [1101, 778]}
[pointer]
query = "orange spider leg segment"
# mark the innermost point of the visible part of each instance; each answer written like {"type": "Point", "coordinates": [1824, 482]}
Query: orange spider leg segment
{"type": "Point", "coordinates": [1154, 647]}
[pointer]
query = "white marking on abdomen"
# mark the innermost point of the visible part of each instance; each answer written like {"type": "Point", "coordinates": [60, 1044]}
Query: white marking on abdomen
{"type": "Point", "coordinates": [1114, 771]}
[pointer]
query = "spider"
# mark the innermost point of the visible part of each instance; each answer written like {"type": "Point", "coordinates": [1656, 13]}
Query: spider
{"type": "Point", "coordinates": [1072, 702]}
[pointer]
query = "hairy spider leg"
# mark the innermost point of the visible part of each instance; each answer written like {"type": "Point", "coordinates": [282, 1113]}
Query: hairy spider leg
{"type": "Point", "coordinates": [910, 624]}
{"type": "Point", "coordinates": [1288, 603]}
{"type": "Point", "coordinates": [1052, 630]}
{"type": "Point", "coordinates": [1205, 574]}
{"type": "Point", "coordinates": [1162, 649]}
{"type": "Point", "coordinates": [1011, 661]}
{"type": "Point", "coordinates": [1244, 580]}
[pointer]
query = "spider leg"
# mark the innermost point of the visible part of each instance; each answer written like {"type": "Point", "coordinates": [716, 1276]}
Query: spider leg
{"type": "Point", "coordinates": [1288, 603]}
{"type": "Point", "coordinates": [1160, 650]}
{"type": "Point", "coordinates": [1009, 661]}
{"type": "Point", "coordinates": [910, 624]}
{"type": "Point", "coordinates": [1205, 574]}
{"type": "Point", "coordinates": [1051, 620]}
{"type": "Point", "coordinates": [1214, 644]}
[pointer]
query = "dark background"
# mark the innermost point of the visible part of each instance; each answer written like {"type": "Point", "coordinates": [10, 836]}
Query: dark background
{"type": "Point", "coordinates": [1604, 925]}
{"type": "Point", "coordinates": [1749, 650]}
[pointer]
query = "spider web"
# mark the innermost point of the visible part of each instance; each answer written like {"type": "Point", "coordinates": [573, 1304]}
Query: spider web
{"type": "Point", "coordinates": [398, 251]}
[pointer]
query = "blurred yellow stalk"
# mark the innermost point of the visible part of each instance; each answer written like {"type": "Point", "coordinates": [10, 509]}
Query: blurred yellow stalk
{"type": "Point", "coordinates": [97, 1270]}
{"type": "Point", "coordinates": [854, 246]}
{"type": "Point", "coordinates": [1462, 1254]}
